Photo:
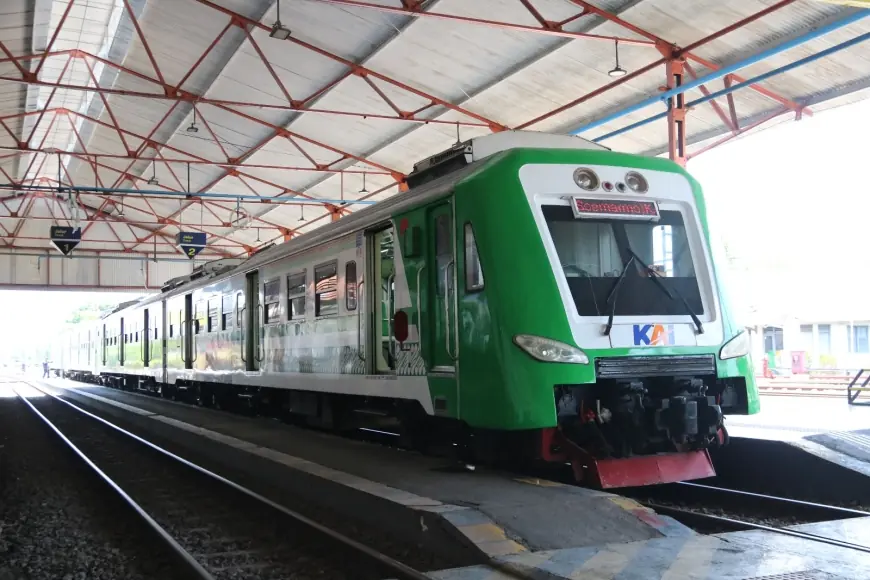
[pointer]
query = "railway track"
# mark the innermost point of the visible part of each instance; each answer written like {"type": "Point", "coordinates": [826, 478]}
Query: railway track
{"type": "Point", "coordinates": [715, 509]}
{"type": "Point", "coordinates": [214, 527]}
{"type": "Point", "coordinates": [827, 390]}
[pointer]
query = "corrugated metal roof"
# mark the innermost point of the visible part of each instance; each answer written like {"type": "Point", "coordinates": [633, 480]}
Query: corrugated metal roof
{"type": "Point", "coordinates": [299, 117]}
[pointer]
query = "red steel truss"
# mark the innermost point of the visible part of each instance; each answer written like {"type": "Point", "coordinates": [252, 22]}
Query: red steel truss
{"type": "Point", "coordinates": [151, 230]}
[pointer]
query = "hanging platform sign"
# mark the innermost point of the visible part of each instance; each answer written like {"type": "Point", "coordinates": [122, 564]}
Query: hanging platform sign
{"type": "Point", "coordinates": [191, 242]}
{"type": "Point", "coordinates": [65, 238]}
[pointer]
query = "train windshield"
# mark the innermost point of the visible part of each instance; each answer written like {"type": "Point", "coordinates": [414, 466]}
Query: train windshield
{"type": "Point", "coordinates": [594, 252]}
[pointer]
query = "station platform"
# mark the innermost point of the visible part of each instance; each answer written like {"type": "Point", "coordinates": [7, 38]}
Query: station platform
{"type": "Point", "coordinates": [753, 555]}
{"type": "Point", "coordinates": [810, 448]}
{"type": "Point", "coordinates": [499, 524]}
{"type": "Point", "coordinates": [829, 428]}
{"type": "Point", "coordinates": [487, 513]}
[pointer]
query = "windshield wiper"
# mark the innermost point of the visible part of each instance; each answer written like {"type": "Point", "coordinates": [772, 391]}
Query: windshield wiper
{"type": "Point", "coordinates": [657, 279]}
{"type": "Point", "coordinates": [611, 298]}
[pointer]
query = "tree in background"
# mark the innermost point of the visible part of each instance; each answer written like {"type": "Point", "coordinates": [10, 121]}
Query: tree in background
{"type": "Point", "coordinates": [88, 312]}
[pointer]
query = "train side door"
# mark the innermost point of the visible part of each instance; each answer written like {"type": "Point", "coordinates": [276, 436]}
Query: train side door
{"type": "Point", "coordinates": [251, 330]}
{"type": "Point", "coordinates": [442, 301]}
{"type": "Point", "coordinates": [122, 344]}
{"type": "Point", "coordinates": [187, 332]}
{"type": "Point", "coordinates": [164, 325]}
{"type": "Point", "coordinates": [104, 345]}
{"type": "Point", "coordinates": [146, 339]}
{"type": "Point", "coordinates": [380, 292]}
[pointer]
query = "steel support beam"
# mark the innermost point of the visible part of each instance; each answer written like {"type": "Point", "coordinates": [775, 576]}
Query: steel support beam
{"type": "Point", "coordinates": [730, 89]}
{"type": "Point", "coordinates": [676, 113]}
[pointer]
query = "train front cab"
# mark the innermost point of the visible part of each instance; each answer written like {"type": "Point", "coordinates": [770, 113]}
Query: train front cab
{"type": "Point", "coordinates": [632, 399]}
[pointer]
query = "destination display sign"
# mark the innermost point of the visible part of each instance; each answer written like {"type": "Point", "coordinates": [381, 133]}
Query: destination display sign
{"type": "Point", "coordinates": [585, 207]}
{"type": "Point", "coordinates": [191, 243]}
{"type": "Point", "coordinates": [65, 238]}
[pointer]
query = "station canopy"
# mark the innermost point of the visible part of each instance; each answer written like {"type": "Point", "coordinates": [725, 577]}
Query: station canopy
{"type": "Point", "coordinates": [285, 116]}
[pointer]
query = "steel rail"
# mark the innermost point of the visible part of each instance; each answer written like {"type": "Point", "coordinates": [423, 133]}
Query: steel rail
{"type": "Point", "coordinates": [183, 555]}
{"type": "Point", "coordinates": [810, 504]}
{"type": "Point", "coordinates": [793, 533]}
{"type": "Point", "coordinates": [519, 571]}
{"type": "Point", "coordinates": [404, 571]}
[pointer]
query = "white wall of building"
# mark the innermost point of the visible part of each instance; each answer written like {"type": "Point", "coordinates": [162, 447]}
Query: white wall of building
{"type": "Point", "coordinates": [87, 270]}
{"type": "Point", "coordinates": [831, 344]}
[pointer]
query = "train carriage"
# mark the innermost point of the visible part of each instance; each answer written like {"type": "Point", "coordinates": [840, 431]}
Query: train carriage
{"type": "Point", "coordinates": [531, 297]}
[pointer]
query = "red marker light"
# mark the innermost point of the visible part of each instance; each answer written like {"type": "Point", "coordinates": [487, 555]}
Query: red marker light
{"type": "Point", "coordinates": [400, 326]}
{"type": "Point", "coordinates": [607, 186]}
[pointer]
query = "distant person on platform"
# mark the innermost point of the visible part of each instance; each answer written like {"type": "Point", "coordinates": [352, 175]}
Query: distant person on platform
{"type": "Point", "coordinates": [45, 370]}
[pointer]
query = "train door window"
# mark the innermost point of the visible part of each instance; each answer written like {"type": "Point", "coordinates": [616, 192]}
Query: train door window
{"type": "Point", "coordinates": [171, 325]}
{"type": "Point", "coordinates": [443, 251]}
{"type": "Point", "coordinates": [326, 290]}
{"type": "Point", "coordinates": [382, 288]}
{"type": "Point", "coordinates": [473, 271]}
{"type": "Point", "coordinates": [213, 314]}
{"type": "Point", "coordinates": [226, 312]}
{"type": "Point", "coordinates": [272, 301]}
{"type": "Point", "coordinates": [350, 286]}
{"type": "Point", "coordinates": [296, 296]}
{"type": "Point", "coordinates": [199, 317]}
{"type": "Point", "coordinates": [240, 307]}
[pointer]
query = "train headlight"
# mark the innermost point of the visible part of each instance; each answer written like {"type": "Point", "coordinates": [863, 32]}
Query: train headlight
{"type": "Point", "coordinates": [636, 182]}
{"type": "Point", "coordinates": [547, 350]}
{"type": "Point", "coordinates": [586, 179]}
{"type": "Point", "coordinates": [737, 346]}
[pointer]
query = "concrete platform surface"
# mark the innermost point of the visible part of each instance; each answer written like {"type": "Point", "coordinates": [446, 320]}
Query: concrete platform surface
{"type": "Point", "coordinates": [784, 418]}
{"type": "Point", "coordinates": [498, 513]}
{"type": "Point", "coordinates": [754, 555]}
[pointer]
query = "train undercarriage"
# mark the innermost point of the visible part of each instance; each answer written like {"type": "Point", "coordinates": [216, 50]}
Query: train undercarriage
{"type": "Point", "coordinates": [638, 431]}
{"type": "Point", "coordinates": [614, 433]}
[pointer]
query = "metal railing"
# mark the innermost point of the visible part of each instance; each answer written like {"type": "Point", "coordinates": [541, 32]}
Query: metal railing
{"type": "Point", "coordinates": [853, 391]}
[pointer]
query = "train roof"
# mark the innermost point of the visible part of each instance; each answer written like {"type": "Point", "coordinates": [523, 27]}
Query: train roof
{"type": "Point", "coordinates": [430, 179]}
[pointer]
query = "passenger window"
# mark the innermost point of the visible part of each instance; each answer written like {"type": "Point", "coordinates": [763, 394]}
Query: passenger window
{"type": "Point", "coordinates": [272, 301]}
{"type": "Point", "coordinates": [296, 296]}
{"type": "Point", "coordinates": [226, 312]}
{"type": "Point", "coordinates": [325, 290]}
{"type": "Point", "coordinates": [350, 285]}
{"type": "Point", "coordinates": [473, 271]}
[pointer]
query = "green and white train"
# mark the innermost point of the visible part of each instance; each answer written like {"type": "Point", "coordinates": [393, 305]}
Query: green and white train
{"type": "Point", "coordinates": [531, 297]}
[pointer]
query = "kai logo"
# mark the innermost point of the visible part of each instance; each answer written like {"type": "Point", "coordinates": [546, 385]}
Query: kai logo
{"type": "Point", "coordinates": [653, 334]}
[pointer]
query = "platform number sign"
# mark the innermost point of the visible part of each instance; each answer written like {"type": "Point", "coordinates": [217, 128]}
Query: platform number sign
{"type": "Point", "coordinates": [65, 238]}
{"type": "Point", "coordinates": [191, 243]}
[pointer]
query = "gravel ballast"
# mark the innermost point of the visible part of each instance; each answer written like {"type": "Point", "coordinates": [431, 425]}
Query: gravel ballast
{"type": "Point", "coordinates": [58, 521]}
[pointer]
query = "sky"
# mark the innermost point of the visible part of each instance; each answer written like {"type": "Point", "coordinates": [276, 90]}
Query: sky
{"type": "Point", "coordinates": [29, 316]}
{"type": "Point", "coordinates": [790, 202]}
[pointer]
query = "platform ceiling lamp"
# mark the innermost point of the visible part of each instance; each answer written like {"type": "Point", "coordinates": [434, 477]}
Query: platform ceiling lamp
{"type": "Point", "coordinates": [279, 31]}
{"type": "Point", "coordinates": [153, 180]}
{"type": "Point", "coordinates": [617, 71]}
{"type": "Point", "coordinates": [193, 128]}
